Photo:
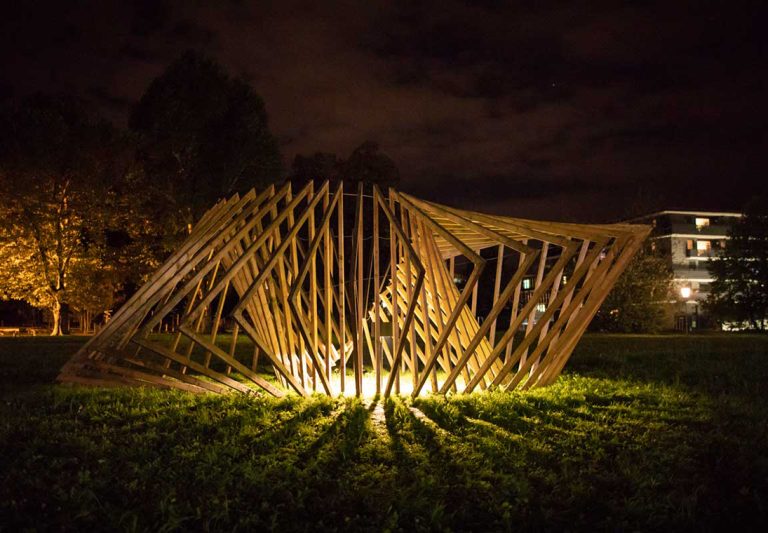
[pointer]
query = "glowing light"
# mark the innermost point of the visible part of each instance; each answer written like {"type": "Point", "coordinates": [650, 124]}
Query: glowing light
{"type": "Point", "coordinates": [369, 384]}
{"type": "Point", "coordinates": [400, 288]}
{"type": "Point", "coordinates": [685, 292]}
{"type": "Point", "coordinates": [701, 223]}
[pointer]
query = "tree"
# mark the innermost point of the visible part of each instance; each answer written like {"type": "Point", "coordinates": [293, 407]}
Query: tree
{"type": "Point", "coordinates": [319, 167]}
{"type": "Point", "coordinates": [636, 302]}
{"type": "Point", "coordinates": [739, 291]}
{"type": "Point", "coordinates": [56, 168]}
{"type": "Point", "coordinates": [202, 136]}
{"type": "Point", "coordinates": [366, 163]}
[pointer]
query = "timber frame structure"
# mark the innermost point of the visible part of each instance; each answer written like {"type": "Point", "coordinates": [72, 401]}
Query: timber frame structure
{"type": "Point", "coordinates": [359, 297]}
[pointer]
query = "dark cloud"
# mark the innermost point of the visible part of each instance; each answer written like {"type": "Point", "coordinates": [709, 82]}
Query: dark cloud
{"type": "Point", "coordinates": [196, 35]}
{"type": "Point", "coordinates": [105, 99]}
{"type": "Point", "coordinates": [534, 108]}
{"type": "Point", "coordinates": [149, 17]}
{"type": "Point", "coordinates": [484, 189]}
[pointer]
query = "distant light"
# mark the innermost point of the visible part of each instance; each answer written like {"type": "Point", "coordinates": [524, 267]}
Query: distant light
{"type": "Point", "coordinates": [685, 292]}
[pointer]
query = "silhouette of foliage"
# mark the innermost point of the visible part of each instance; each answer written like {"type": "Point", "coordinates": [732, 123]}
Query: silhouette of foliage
{"type": "Point", "coordinates": [636, 302]}
{"type": "Point", "coordinates": [365, 164]}
{"type": "Point", "coordinates": [202, 136]}
{"type": "Point", "coordinates": [739, 291]}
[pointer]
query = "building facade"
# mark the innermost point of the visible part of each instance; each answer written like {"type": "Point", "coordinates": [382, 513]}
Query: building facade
{"type": "Point", "coordinates": [689, 240]}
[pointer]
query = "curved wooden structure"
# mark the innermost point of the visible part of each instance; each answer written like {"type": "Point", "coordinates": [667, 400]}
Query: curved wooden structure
{"type": "Point", "coordinates": [386, 288]}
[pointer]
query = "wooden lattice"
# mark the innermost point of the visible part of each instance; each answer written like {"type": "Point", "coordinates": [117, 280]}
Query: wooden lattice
{"type": "Point", "coordinates": [277, 279]}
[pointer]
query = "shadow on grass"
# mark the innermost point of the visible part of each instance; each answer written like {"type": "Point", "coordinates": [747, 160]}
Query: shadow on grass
{"type": "Point", "coordinates": [636, 442]}
{"type": "Point", "coordinates": [443, 470]}
{"type": "Point", "coordinates": [604, 466]}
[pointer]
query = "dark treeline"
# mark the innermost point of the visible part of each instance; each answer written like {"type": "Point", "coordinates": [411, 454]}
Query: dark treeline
{"type": "Point", "coordinates": [88, 210]}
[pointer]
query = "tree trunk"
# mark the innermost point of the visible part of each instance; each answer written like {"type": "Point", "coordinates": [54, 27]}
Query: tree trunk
{"type": "Point", "coordinates": [56, 312]}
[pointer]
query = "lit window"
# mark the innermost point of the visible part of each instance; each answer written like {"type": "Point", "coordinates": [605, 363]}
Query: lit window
{"type": "Point", "coordinates": [701, 222]}
{"type": "Point", "coordinates": [689, 245]}
{"type": "Point", "coordinates": [526, 284]}
{"type": "Point", "coordinates": [703, 247]}
{"type": "Point", "coordinates": [541, 308]}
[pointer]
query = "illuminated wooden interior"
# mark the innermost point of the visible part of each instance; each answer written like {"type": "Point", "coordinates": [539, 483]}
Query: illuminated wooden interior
{"type": "Point", "coordinates": [303, 279]}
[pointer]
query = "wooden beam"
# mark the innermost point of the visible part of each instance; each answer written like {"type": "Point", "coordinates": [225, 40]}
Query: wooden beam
{"type": "Point", "coordinates": [282, 255]}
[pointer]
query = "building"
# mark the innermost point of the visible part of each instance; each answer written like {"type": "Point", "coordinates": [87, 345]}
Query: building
{"type": "Point", "coordinates": [689, 240]}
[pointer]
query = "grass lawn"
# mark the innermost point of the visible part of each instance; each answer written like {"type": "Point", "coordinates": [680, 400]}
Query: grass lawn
{"type": "Point", "coordinates": [640, 433]}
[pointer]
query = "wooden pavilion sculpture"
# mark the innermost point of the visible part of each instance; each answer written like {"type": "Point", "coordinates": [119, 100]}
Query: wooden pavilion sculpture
{"type": "Point", "coordinates": [360, 299]}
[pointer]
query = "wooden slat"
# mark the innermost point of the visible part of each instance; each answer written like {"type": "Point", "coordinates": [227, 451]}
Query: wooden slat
{"type": "Point", "coordinates": [304, 307]}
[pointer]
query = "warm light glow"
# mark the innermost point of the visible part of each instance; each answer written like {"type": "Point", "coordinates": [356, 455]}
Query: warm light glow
{"type": "Point", "coordinates": [685, 292]}
{"type": "Point", "coordinates": [701, 222]}
{"type": "Point", "coordinates": [307, 314]}
{"type": "Point", "coordinates": [369, 384]}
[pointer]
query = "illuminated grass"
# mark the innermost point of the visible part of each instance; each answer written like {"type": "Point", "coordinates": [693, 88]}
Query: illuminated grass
{"type": "Point", "coordinates": [641, 433]}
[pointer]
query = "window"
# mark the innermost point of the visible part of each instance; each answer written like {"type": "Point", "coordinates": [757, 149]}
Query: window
{"type": "Point", "coordinates": [701, 223]}
{"type": "Point", "coordinates": [527, 284]}
{"type": "Point", "coordinates": [703, 248]}
{"type": "Point", "coordinates": [688, 247]}
{"type": "Point", "coordinates": [541, 308]}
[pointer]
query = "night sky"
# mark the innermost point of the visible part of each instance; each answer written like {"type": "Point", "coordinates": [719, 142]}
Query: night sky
{"type": "Point", "coordinates": [584, 113]}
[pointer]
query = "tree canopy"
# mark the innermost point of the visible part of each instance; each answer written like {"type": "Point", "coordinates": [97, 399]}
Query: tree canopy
{"type": "Point", "coordinates": [739, 291]}
{"type": "Point", "coordinates": [636, 302]}
{"type": "Point", "coordinates": [89, 210]}
{"type": "Point", "coordinates": [366, 163]}
{"type": "Point", "coordinates": [202, 135]}
{"type": "Point", "coordinates": [57, 166]}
